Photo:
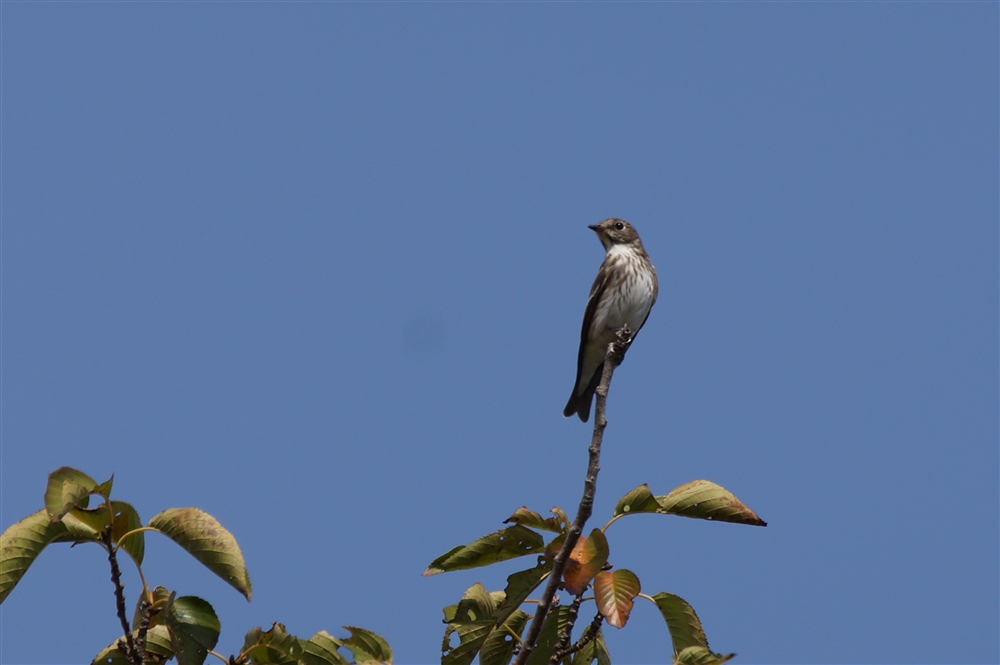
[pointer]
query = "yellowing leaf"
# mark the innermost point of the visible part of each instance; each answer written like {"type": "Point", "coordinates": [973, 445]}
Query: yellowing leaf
{"type": "Point", "coordinates": [207, 541]}
{"type": "Point", "coordinates": [702, 499]}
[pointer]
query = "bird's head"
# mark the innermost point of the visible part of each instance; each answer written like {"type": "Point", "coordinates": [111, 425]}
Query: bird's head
{"type": "Point", "coordinates": [614, 231]}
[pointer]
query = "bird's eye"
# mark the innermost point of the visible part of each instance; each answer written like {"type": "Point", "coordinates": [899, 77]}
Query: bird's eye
{"type": "Point", "coordinates": [619, 226]}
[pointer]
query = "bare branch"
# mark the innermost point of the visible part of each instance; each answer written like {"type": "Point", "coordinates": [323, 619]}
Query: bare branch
{"type": "Point", "coordinates": [612, 359]}
{"type": "Point", "coordinates": [133, 654]}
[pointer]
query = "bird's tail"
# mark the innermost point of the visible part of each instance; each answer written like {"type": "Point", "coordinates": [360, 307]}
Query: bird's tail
{"type": "Point", "coordinates": [579, 403]}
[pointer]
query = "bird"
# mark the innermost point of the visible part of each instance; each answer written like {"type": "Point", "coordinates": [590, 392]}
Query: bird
{"type": "Point", "coordinates": [623, 294]}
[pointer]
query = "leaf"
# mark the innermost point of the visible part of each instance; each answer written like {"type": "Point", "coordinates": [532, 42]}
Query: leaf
{"type": "Point", "coordinates": [530, 518]}
{"type": "Point", "coordinates": [545, 645]}
{"type": "Point", "coordinates": [207, 541]}
{"type": "Point", "coordinates": [499, 645]}
{"type": "Point", "coordinates": [194, 629]}
{"type": "Point", "coordinates": [157, 644]}
{"type": "Point", "coordinates": [104, 489]}
{"type": "Point", "coordinates": [701, 656]}
{"type": "Point", "coordinates": [322, 649]}
{"type": "Point", "coordinates": [67, 488]}
{"type": "Point", "coordinates": [558, 512]}
{"type": "Point", "coordinates": [21, 544]}
{"type": "Point", "coordinates": [586, 560]}
{"type": "Point", "coordinates": [705, 500]}
{"type": "Point", "coordinates": [271, 647]}
{"type": "Point", "coordinates": [601, 648]}
{"type": "Point", "coordinates": [614, 593]}
{"type": "Point", "coordinates": [83, 525]}
{"type": "Point", "coordinates": [477, 604]}
{"type": "Point", "coordinates": [685, 627]}
{"type": "Point", "coordinates": [127, 519]}
{"type": "Point", "coordinates": [555, 546]}
{"type": "Point", "coordinates": [161, 598]}
{"type": "Point", "coordinates": [639, 500]}
{"type": "Point", "coordinates": [471, 621]}
{"type": "Point", "coordinates": [519, 587]}
{"type": "Point", "coordinates": [367, 647]}
{"type": "Point", "coordinates": [111, 655]}
{"type": "Point", "coordinates": [509, 543]}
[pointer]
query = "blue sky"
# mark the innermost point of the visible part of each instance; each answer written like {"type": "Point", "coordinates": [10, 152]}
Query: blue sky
{"type": "Point", "coordinates": [319, 269]}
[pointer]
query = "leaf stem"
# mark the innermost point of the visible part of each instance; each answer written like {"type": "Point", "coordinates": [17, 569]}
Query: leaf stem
{"type": "Point", "coordinates": [219, 656]}
{"type": "Point", "coordinates": [612, 358]}
{"type": "Point", "coordinates": [118, 544]}
{"type": "Point", "coordinates": [612, 521]}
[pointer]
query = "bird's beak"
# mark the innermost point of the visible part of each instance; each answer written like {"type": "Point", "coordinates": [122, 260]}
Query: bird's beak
{"type": "Point", "coordinates": [594, 228]}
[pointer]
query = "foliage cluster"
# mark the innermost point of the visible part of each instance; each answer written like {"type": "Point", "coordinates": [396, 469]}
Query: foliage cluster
{"type": "Point", "coordinates": [165, 625]}
{"type": "Point", "coordinates": [491, 624]}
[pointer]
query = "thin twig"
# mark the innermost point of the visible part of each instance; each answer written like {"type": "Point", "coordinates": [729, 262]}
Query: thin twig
{"type": "Point", "coordinates": [116, 578]}
{"type": "Point", "coordinates": [567, 631]}
{"type": "Point", "coordinates": [589, 634]}
{"type": "Point", "coordinates": [148, 612]}
{"type": "Point", "coordinates": [612, 358]}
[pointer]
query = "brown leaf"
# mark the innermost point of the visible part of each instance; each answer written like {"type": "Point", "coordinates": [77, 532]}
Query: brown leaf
{"type": "Point", "coordinates": [585, 561]}
{"type": "Point", "coordinates": [615, 593]}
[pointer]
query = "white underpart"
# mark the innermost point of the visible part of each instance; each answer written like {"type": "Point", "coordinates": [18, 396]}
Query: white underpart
{"type": "Point", "coordinates": [635, 297]}
{"type": "Point", "coordinates": [631, 306]}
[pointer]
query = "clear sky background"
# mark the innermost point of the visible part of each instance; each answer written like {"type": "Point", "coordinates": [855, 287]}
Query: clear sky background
{"type": "Point", "coordinates": [319, 269]}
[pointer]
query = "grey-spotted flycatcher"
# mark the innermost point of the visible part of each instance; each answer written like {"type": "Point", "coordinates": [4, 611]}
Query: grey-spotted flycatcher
{"type": "Point", "coordinates": [623, 293]}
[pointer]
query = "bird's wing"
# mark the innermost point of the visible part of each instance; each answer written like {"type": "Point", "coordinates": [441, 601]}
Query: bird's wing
{"type": "Point", "coordinates": [600, 283]}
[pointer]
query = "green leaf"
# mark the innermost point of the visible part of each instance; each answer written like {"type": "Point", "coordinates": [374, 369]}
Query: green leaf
{"type": "Point", "coordinates": [471, 636]}
{"type": "Point", "coordinates": [701, 656]}
{"type": "Point", "coordinates": [545, 646]}
{"type": "Point", "coordinates": [477, 604]}
{"type": "Point", "coordinates": [509, 543]}
{"type": "Point", "coordinates": [586, 560]}
{"type": "Point", "coordinates": [158, 649]}
{"type": "Point", "coordinates": [639, 500]}
{"type": "Point", "coordinates": [158, 642]}
{"type": "Point", "coordinates": [272, 647]}
{"type": "Point", "coordinates": [367, 647]}
{"type": "Point", "coordinates": [104, 489]}
{"type": "Point", "coordinates": [110, 655]}
{"type": "Point", "coordinates": [498, 648]}
{"type": "Point", "coordinates": [207, 541]}
{"type": "Point", "coordinates": [161, 601]}
{"type": "Point", "coordinates": [519, 587]}
{"type": "Point", "coordinates": [194, 629]}
{"type": "Point", "coordinates": [67, 488]}
{"type": "Point", "coordinates": [21, 544]}
{"type": "Point", "coordinates": [705, 500]}
{"type": "Point", "coordinates": [685, 627]}
{"type": "Point", "coordinates": [530, 518]}
{"type": "Point", "coordinates": [601, 648]}
{"type": "Point", "coordinates": [127, 519]}
{"type": "Point", "coordinates": [322, 649]}
{"type": "Point", "coordinates": [614, 593]}
{"type": "Point", "coordinates": [83, 525]}
{"type": "Point", "coordinates": [471, 622]}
